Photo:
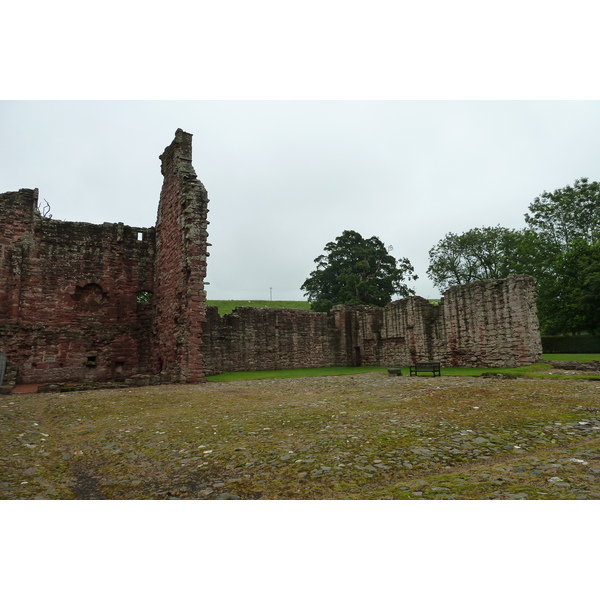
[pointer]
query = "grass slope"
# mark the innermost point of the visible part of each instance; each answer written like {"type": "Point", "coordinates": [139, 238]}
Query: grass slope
{"type": "Point", "coordinates": [227, 306]}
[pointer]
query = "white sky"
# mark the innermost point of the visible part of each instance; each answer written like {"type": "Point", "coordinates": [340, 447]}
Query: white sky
{"type": "Point", "coordinates": [403, 122]}
{"type": "Point", "coordinates": [286, 177]}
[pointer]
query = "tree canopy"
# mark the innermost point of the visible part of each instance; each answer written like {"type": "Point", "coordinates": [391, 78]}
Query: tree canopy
{"type": "Point", "coordinates": [568, 214]}
{"type": "Point", "coordinates": [476, 254]}
{"type": "Point", "coordinates": [559, 247]}
{"type": "Point", "coordinates": [354, 270]}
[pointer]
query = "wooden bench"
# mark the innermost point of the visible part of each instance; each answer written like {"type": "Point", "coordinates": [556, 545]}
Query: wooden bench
{"type": "Point", "coordinates": [433, 367]}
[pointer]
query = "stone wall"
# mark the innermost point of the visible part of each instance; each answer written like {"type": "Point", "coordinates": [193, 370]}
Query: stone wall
{"type": "Point", "coordinates": [487, 323]}
{"type": "Point", "coordinates": [68, 308]}
{"type": "Point", "coordinates": [180, 266]}
{"type": "Point", "coordinates": [490, 323]}
{"type": "Point", "coordinates": [84, 302]}
{"type": "Point", "coordinates": [71, 308]}
{"type": "Point", "coordinates": [262, 339]}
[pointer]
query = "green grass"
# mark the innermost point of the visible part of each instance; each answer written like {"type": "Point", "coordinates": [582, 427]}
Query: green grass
{"type": "Point", "coordinates": [293, 373]}
{"type": "Point", "coordinates": [575, 357]}
{"type": "Point", "coordinates": [537, 370]}
{"type": "Point", "coordinates": [227, 306]}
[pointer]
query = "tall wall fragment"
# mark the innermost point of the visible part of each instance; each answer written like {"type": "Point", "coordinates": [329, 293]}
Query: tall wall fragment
{"type": "Point", "coordinates": [180, 266]}
{"type": "Point", "coordinates": [84, 302]}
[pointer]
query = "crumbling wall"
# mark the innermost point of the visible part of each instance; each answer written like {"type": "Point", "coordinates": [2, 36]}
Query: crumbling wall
{"type": "Point", "coordinates": [69, 309]}
{"type": "Point", "coordinates": [180, 266]}
{"type": "Point", "coordinates": [397, 334]}
{"type": "Point", "coordinates": [490, 323]}
{"type": "Point", "coordinates": [260, 339]}
{"type": "Point", "coordinates": [487, 323]}
{"type": "Point", "coordinates": [85, 302]}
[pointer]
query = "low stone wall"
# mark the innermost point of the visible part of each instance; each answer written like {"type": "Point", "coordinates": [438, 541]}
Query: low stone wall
{"type": "Point", "coordinates": [260, 339]}
{"type": "Point", "coordinates": [489, 323]}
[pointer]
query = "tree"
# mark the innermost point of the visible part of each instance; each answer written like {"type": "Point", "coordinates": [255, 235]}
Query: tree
{"type": "Point", "coordinates": [355, 270]}
{"type": "Point", "coordinates": [480, 253]}
{"type": "Point", "coordinates": [559, 248]}
{"type": "Point", "coordinates": [567, 221]}
{"type": "Point", "coordinates": [569, 301]}
{"type": "Point", "coordinates": [567, 214]}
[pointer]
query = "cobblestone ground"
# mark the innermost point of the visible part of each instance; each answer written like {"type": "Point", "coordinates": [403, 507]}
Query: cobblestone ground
{"type": "Point", "coordinates": [368, 436]}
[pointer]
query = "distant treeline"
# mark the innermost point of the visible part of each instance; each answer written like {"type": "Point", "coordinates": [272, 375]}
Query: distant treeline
{"type": "Point", "coordinates": [571, 344]}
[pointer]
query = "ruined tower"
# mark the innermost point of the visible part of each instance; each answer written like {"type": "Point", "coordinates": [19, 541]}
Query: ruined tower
{"type": "Point", "coordinates": [180, 266]}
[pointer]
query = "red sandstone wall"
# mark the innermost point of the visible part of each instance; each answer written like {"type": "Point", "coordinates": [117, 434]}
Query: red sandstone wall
{"type": "Point", "coordinates": [17, 213]}
{"type": "Point", "coordinates": [492, 323]}
{"type": "Point", "coordinates": [397, 334]}
{"type": "Point", "coordinates": [68, 292]}
{"type": "Point", "coordinates": [71, 294]}
{"type": "Point", "coordinates": [489, 323]}
{"type": "Point", "coordinates": [180, 267]}
{"type": "Point", "coordinates": [260, 339]}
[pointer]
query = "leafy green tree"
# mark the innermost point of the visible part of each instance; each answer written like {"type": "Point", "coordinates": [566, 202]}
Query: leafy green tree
{"type": "Point", "coordinates": [354, 270]}
{"type": "Point", "coordinates": [559, 248]}
{"type": "Point", "coordinates": [567, 214]}
{"type": "Point", "coordinates": [569, 301]}
{"type": "Point", "coordinates": [480, 253]}
{"type": "Point", "coordinates": [567, 224]}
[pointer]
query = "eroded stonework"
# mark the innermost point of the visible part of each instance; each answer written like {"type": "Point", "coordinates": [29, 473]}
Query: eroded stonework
{"type": "Point", "coordinates": [82, 302]}
{"type": "Point", "coordinates": [487, 323]}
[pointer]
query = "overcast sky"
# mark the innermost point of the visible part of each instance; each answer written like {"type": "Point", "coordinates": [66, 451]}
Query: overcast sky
{"type": "Point", "coordinates": [286, 177]}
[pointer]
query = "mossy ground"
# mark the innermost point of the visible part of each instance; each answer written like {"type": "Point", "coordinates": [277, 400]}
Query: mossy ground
{"type": "Point", "coordinates": [363, 436]}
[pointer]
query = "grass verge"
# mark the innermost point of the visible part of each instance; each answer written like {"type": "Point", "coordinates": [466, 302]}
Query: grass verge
{"type": "Point", "coordinates": [227, 306]}
{"type": "Point", "coordinates": [540, 370]}
{"type": "Point", "coordinates": [572, 357]}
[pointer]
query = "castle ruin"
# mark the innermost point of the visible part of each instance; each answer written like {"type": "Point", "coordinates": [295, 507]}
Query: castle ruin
{"type": "Point", "coordinates": [81, 302]}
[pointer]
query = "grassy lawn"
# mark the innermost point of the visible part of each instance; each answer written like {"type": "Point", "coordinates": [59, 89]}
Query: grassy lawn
{"type": "Point", "coordinates": [575, 357]}
{"type": "Point", "coordinates": [227, 306]}
{"type": "Point", "coordinates": [539, 370]}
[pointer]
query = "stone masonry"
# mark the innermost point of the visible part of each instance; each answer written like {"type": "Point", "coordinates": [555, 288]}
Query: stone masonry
{"type": "Point", "coordinates": [68, 296]}
{"type": "Point", "coordinates": [180, 266]}
{"type": "Point", "coordinates": [487, 323]}
{"type": "Point", "coordinates": [81, 302]}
